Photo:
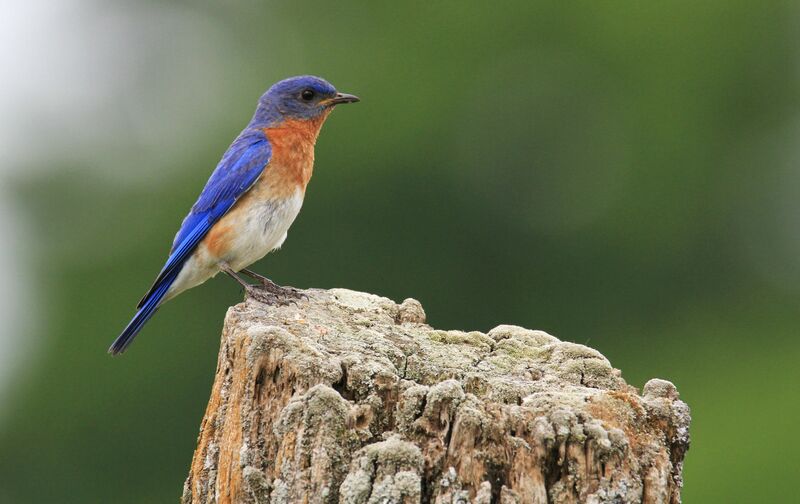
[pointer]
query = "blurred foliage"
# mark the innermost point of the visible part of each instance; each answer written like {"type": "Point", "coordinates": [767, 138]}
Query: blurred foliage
{"type": "Point", "coordinates": [620, 174]}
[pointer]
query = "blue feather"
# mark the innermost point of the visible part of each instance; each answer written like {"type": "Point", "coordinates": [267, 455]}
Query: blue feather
{"type": "Point", "coordinates": [146, 310]}
{"type": "Point", "coordinates": [237, 171]}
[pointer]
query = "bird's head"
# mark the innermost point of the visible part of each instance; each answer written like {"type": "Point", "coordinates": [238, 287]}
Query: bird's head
{"type": "Point", "coordinates": [299, 98]}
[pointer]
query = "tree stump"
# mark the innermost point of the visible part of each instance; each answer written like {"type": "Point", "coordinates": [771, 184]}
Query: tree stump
{"type": "Point", "coordinates": [347, 397]}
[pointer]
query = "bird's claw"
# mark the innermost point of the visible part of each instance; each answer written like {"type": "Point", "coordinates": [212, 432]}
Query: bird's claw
{"type": "Point", "coordinates": [259, 294]}
{"type": "Point", "coordinates": [285, 292]}
{"type": "Point", "coordinates": [291, 292]}
{"type": "Point", "coordinates": [275, 294]}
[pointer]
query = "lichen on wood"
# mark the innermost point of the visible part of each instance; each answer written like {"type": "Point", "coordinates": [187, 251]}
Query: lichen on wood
{"type": "Point", "coordinates": [347, 397]}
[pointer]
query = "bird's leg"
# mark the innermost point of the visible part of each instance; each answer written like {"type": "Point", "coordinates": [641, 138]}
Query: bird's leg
{"type": "Point", "coordinates": [229, 271]}
{"type": "Point", "coordinates": [249, 289]}
{"type": "Point", "coordinates": [272, 287]}
{"type": "Point", "coordinates": [266, 282]}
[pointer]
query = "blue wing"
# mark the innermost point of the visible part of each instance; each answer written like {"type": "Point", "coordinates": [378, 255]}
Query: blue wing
{"type": "Point", "coordinates": [237, 171]}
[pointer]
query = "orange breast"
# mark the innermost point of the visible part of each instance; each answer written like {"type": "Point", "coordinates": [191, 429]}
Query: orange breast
{"type": "Point", "coordinates": [289, 169]}
{"type": "Point", "coordinates": [292, 161]}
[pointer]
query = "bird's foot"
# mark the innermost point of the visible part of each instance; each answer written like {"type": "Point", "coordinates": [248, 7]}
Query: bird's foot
{"type": "Point", "coordinates": [275, 290]}
{"type": "Point", "coordinates": [289, 292]}
{"type": "Point", "coordinates": [260, 294]}
{"type": "Point", "coordinates": [280, 296]}
{"type": "Point", "coordinates": [284, 297]}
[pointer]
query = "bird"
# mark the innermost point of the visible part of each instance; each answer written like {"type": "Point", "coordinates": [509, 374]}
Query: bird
{"type": "Point", "coordinates": [251, 199]}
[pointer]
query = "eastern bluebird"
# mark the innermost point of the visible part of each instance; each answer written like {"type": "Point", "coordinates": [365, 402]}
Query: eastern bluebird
{"type": "Point", "coordinates": [251, 199]}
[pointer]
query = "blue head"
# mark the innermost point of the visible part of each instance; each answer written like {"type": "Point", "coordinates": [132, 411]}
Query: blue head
{"type": "Point", "coordinates": [301, 98]}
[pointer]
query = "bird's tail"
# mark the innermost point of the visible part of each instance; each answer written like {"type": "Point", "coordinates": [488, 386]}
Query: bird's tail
{"type": "Point", "coordinates": [147, 309]}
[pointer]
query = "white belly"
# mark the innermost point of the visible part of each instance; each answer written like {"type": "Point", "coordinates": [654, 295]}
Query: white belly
{"type": "Point", "coordinates": [262, 230]}
{"type": "Point", "coordinates": [258, 231]}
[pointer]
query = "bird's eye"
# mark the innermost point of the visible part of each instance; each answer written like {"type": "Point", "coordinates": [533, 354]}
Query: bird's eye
{"type": "Point", "coordinates": [307, 95]}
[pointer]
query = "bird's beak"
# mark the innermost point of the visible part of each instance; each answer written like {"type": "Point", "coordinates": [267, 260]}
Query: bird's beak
{"type": "Point", "coordinates": [340, 98]}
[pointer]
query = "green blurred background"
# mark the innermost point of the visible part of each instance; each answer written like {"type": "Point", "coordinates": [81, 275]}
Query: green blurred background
{"type": "Point", "coordinates": [620, 174]}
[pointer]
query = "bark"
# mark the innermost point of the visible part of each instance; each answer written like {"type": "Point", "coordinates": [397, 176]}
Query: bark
{"type": "Point", "coordinates": [348, 397]}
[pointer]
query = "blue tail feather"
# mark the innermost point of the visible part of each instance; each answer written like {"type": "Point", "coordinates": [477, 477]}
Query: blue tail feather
{"type": "Point", "coordinates": [240, 167]}
{"type": "Point", "coordinates": [146, 310]}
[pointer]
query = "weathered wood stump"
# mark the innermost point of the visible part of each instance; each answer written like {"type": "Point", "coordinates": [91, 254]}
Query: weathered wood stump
{"type": "Point", "coordinates": [348, 397]}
